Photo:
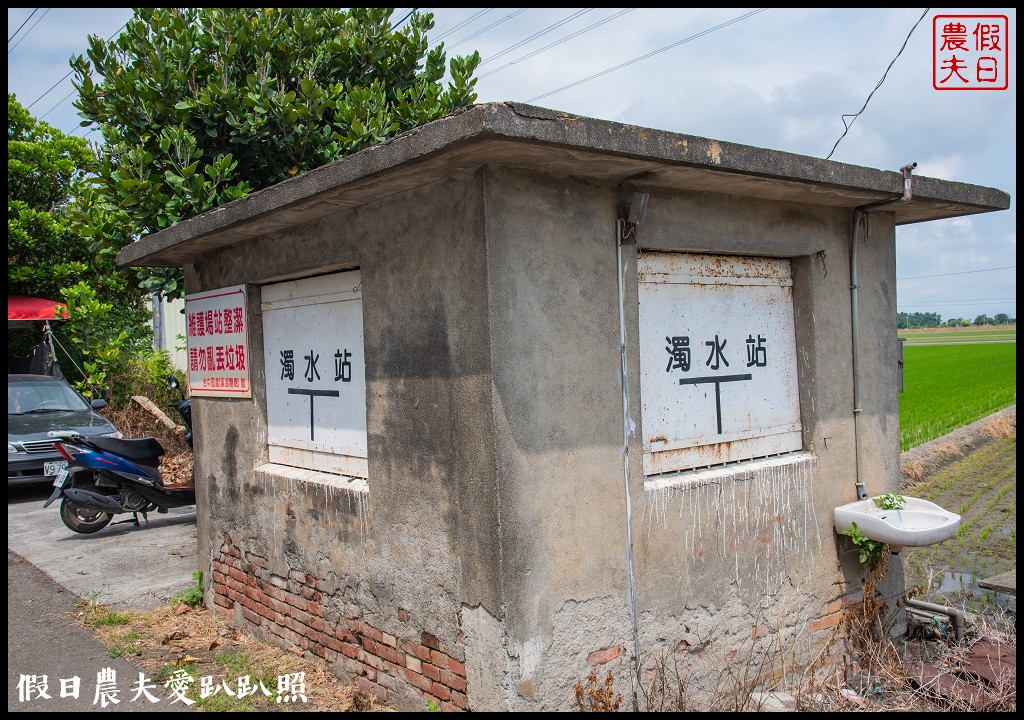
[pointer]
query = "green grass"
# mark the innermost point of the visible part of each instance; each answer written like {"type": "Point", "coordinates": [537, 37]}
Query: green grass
{"type": "Point", "coordinates": [108, 618]}
{"type": "Point", "coordinates": [959, 335]}
{"type": "Point", "coordinates": [946, 387]}
{"type": "Point", "coordinates": [123, 644]}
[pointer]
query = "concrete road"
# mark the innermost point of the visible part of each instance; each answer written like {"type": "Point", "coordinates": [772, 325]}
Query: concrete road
{"type": "Point", "coordinates": [128, 566]}
{"type": "Point", "coordinates": [45, 647]}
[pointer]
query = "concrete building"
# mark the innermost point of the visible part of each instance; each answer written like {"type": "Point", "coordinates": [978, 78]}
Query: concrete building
{"type": "Point", "coordinates": [419, 460]}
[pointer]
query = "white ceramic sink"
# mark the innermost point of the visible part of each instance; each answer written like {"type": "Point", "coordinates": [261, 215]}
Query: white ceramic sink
{"type": "Point", "coordinates": [918, 523]}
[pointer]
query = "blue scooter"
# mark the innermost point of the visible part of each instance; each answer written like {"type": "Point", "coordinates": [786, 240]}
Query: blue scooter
{"type": "Point", "coordinates": [108, 476]}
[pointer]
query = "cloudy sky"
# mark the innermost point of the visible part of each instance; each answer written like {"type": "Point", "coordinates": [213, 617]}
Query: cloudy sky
{"type": "Point", "coordinates": [774, 78]}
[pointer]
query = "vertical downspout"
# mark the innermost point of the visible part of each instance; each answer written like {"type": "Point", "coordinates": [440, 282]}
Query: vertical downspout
{"type": "Point", "coordinates": [627, 429]}
{"type": "Point", "coordinates": [158, 322]}
{"type": "Point", "coordinates": [858, 215]}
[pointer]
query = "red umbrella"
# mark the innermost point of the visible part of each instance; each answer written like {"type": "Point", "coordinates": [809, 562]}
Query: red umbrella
{"type": "Point", "coordinates": [20, 307]}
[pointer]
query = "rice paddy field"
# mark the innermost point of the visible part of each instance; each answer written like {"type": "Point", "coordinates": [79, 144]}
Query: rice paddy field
{"type": "Point", "coordinates": [948, 386]}
{"type": "Point", "coordinates": [981, 487]}
{"type": "Point", "coordinates": [952, 379]}
{"type": "Point", "coordinates": [932, 336]}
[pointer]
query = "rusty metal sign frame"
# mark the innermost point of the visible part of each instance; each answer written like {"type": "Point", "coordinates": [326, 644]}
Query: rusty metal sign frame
{"type": "Point", "coordinates": [718, 363]}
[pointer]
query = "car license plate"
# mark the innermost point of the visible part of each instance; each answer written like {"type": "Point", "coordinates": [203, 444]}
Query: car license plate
{"type": "Point", "coordinates": [54, 468]}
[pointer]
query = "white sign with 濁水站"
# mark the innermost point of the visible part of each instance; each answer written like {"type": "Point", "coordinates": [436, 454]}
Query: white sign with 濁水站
{"type": "Point", "coordinates": [718, 372]}
{"type": "Point", "coordinates": [315, 373]}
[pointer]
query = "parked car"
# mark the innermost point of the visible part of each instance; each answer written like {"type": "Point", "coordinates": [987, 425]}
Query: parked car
{"type": "Point", "coordinates": [37, 404]}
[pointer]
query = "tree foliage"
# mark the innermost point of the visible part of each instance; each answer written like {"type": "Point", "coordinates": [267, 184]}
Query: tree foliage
{"type": "Point", "coordinates": [918, 320]}
{"type": "Point", "coordinates": [201, 106]}
{"type": "Point", "coordinates": [44, 253]}
{"type": "Point", "coordinates": [58, 249]}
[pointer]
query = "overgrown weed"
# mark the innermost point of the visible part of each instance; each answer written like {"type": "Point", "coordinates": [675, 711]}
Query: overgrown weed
{"type": "Point", "coordinates": [598, 697]}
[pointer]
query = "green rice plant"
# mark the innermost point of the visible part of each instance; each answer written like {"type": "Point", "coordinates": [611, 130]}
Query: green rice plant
{"type": "Point", "coordinates": [969, 519]}
{"type": "Point", "coordinates": [949, 386]}
{"type": "Point", "coordinates": [982, 489]}
{"type": "Point", "coordinates": [1003, 452]}
{"type": "Point", "coordinates": [1000, 494]}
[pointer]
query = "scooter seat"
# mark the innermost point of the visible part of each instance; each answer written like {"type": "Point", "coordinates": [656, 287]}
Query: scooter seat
{"type": "Point", "coordinates": [138, 449]}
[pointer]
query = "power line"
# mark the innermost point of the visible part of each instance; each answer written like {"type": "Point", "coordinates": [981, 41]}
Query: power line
{"type": "Point", "coordinates": [650, 54]}
{"type": "Point", "coordinates": [59, 103]}
{"type": "Point", "coordinates": [848, 125]}
{"type": "Point", "coordinates": [27, 107]}
{"type": "Point", "coordinates": [557, 42]}
{"type": "Point", "coordinates": [23, 24]}
{"type": "Point", "coordinates": [461, 25]}
{"type": "Point", "coordinates": [494, 24]}
{"type": "Point", "coordinates": [536, 35]}
{"type": "Point", "coordinates": [964, 272]}
{"type": "Point", "coordinates": [29, 31]}
{"type": "Point", "coordinates": [407, 16]}
{"type": "Point", "coordinates": [52, 88]}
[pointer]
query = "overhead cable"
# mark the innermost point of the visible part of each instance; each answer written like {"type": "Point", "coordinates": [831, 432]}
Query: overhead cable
{"type": "Point", "coordinates": [27, 32]}
{"type": "Point", "coordinates": [52, 87]}
{"type": "Point", "coordinates": [483, 30]}
{"type": "Point", "coordinates": [557, 42]}
{"type": "Point", "coordinates": [855, 115]}
{"type": "Point", "coordinates": [963, 272]}
{"type": "Point", "coordinates": [23, 24]}
{"type": "Point", "coordinates": [536, 35]}
{"type": "Point", "coordinates": [461, 25]}
{"type": "Point", "coordinates": [650, 54]}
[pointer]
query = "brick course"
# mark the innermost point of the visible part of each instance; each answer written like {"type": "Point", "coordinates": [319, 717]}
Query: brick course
{"type": "Point", "coordinates": [290, 609]}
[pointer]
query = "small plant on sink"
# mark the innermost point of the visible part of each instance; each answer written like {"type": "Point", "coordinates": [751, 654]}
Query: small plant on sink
{"type": "Point", "coordinates": [870, 552]}
{"type": "Point", "coordinates": [891, 501]}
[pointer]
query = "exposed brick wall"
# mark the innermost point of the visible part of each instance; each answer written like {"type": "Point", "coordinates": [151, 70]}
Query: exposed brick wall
{"type": "Point", "coordinates": [290, 608]}
{"type": "Point", "coordinates": [833, 613]}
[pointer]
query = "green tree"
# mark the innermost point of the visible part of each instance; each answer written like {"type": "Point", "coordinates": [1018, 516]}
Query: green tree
{"type": "Point", "coordinates": [1001, 319]}
{"type": "Point", "coordinates": [917, 320]}
{"type": "Point", "coordinates": [44, 253]}
{"type": "Point", "coordinates": [201, 106]}
{"type": "Point", "coordinates": [983, 320]}
{"type": "Point", "coordinates": [57, 246]}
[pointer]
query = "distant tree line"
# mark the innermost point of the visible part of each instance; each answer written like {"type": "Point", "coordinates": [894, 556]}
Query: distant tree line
{"type": "Point", "coordinates": [907, 321]}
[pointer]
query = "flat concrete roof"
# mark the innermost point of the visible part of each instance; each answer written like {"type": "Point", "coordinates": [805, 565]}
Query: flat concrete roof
{"type": "Point", "coordinates": [529, 137]}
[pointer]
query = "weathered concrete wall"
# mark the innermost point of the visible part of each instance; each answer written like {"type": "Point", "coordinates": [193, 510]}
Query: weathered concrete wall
{"type": "Point", "coordinates": [737, 565]}
{"type": "Point", "coordinates": [484, 561]}
{"type": "Point", "coordinates": [739, 561]}
{"type": "Point", "coordinates": [400, 555]}
{"type": "Point", "coordinates": [558, 423]}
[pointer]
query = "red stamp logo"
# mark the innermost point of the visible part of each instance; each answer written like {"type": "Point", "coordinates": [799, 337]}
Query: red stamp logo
{"type": "Point", "coordinates": [970, 52]}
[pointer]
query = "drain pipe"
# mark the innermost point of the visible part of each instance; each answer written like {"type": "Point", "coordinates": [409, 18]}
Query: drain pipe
{"type": "Point", "coordinates": [955, 616]}
{"type": "Point", "coordinates": [859, 214]}
{"type": "Point", "coordinates": [625, 234]}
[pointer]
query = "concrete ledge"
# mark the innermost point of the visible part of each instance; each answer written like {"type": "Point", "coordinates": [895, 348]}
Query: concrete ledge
{"type": "Point", "coordinates": [733, 471]}
{"type": "Point", "coordinates": [524, 136]}
{"type": "Point", "coordinates": [273, 471]}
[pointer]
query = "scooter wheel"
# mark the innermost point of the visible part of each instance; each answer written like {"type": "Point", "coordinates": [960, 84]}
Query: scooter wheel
{"type": "Point", "coordinates": [82, 520]}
